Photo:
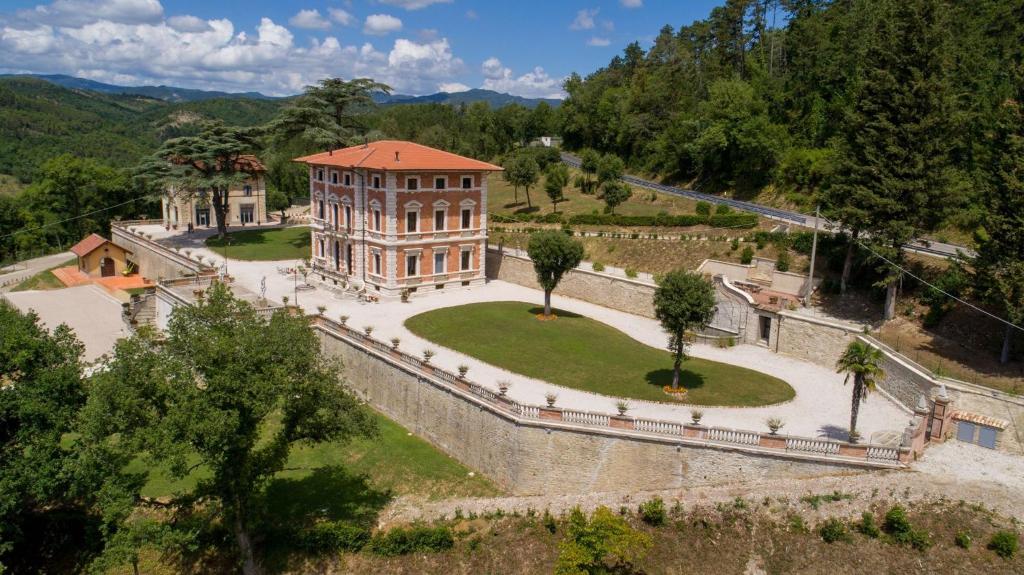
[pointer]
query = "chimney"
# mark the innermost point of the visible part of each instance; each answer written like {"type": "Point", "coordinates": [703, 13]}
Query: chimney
{"type": "Point", "coordinates": [330, 152]}
{"type": "Point", "coordinates": [396, 156]}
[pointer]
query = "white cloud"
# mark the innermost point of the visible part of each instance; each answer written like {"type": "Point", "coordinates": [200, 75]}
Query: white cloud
{"type": "Point", "coordinates": [381, 24]}
{"type": "Point", "coordinates": [414, 4]}
{"type": "Point", "coordinates": [35, 41]}
{"type": "Point", "coordinates": [471, 14]}
{"type": "Point", "coordinates": [310, 20]}
{"type": "Point", "coordinates": [80, 12]}
{"type": "Point", "coordinates": [632, 3]}
{"type": "Point", "coordinates": [419, 66]}
{"type": "Point", "coordinates": [534, 84]}
{"type": "Point", "coordinates": [584, 19]}
{"type": "Point", "coordinates": [341, 16]}
{"type": "Point", "coordinates": [188, 23]}
{"type": "Point", "coordinates": [598, 41]}
{"type": "Point", "coordinates": [452, 87]}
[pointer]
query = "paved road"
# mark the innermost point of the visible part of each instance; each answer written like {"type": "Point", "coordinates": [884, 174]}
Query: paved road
{"type": "Point", "coordinates": [11, 276]}
{"type": "Point", "coordinates": [926, 247]}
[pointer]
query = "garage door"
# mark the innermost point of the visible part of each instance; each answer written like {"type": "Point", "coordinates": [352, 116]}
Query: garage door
{"type": "Point", "coordinates": [965, 431]}
{"type": "Point", "coordinates": [987, 437]}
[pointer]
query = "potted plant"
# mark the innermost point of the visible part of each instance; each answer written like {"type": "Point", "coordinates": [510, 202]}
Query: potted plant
{"type": "Point", "coordinates": [503, 387]}
{"type": "Point", "coordinates": [320, 309]}
{"type": "Point", "coordinates": [696, 415]}
{"type": "Point", "coordinates": [394, 343]}
{"type": "Point", "coordinates": [284, 299]}
{"type": "Point", "coordinates": [343, 319]}
{"type": "Point", "coordinates": [368, 330]}
{"type": "Point", "coordinates": [405, 295]}
{"type": "Point", "coordinates": [551, 397]}
{"type": "Point", "coordinates": [463, 368]}
{"type": "Point", "coordinates": [774, 425]}
{"type": "Point", "coordinates": [427, 354]}
{"type": "Point", "coordinates": [623, 406]}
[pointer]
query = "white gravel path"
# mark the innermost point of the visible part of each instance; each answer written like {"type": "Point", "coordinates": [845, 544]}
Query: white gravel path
{"type": "Point", "coordinates": [821, 406]}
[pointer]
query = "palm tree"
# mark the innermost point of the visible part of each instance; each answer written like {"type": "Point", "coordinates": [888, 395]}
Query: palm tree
{"type": "Point", "coordinates": [863, 362]}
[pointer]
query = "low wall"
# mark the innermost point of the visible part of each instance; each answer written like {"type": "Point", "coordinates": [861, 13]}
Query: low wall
{"type": "Point", "coordinates": [536, 450]}
{"type": "Point", "coordinates": [606, 290]}
{"type": "Point", "coordinates": [155, 261]}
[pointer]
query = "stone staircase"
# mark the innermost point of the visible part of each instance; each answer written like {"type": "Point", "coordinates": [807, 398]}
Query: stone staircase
{"type": "Point", "coordinates": [140, 310]}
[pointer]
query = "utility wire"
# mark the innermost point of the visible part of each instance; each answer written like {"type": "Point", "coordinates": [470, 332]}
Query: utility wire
{"type": "Point", "coordinates": [22, 231]}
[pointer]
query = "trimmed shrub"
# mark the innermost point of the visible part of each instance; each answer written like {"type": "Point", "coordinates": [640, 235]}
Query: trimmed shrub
{"type": "Point", "coordinates": [721, 209]}
{"type": "Point", "coordinates": [782, 263]}
{"type": "Point", "coordinates": [962, 540]}
{"type": "Point", "coordinates": [598, 267]}
{"type": "Point", "coordinates": [747, 255]}
{"type": "Point", "coordinates": [734, 244]}
{"type": "Point", "coordinates": [631, 273]}
{"type": "Point", "coordinates": [332, 536]}
{"type": "Point", "coordinates": [401, 540]}
{"type": "Point", "coordinates": [833, 530]}
{"type": "Point", "coordinates": [703, 208]}
{"type": "Point", "coordinates": [653, 512]}
{"type": "Point", "coordinates": [867, 525]}
{"type": "Point", "coordinates": [1004, 543]}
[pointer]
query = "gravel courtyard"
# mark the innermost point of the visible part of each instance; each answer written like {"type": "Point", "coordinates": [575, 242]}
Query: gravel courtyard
{"type": "Point", "coordinates": [821, 407]}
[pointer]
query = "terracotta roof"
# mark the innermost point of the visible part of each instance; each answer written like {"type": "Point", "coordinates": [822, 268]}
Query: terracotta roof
{"type": "Point", "coordinates": [90, 243]}
{"type": "Point", "coordinates": [246, 162]}
{"type": "Point", "coordinates": [980, 419]}
{"type": "Point", "coordinates": [394, 155]}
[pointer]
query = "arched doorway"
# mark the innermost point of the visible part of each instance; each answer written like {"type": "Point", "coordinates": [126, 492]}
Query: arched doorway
{"type": "Point", "coordinates": [107, 267]}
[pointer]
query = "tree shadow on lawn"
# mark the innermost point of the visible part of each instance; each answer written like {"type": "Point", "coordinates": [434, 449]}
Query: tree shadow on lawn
{"type": "Point", "coordinates": [528, 210]}
{"type": "Point", "coordinates": [558, 312]}
{"type": "Point", "coordinates": [330, 492]}
{"type": "Point", "coordinates": [663, 377]}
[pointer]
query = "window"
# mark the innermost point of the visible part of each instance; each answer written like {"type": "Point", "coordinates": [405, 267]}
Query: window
{"type": "Point", "coordinates": [439, 217]}
{"type": "Point", "coordinates": [376, 181]}
{"type": "Point", "coordinates": [246, 213]}
{"type": "Point", "coordinates": [320, 208]}
{"type": "Point", "coordinates": [334, 177]}
{"type": "Point", "coordinates": [348, 179]}
{"type": "Point", "coordinates": [467, 182]}
{"type": "Point", "coordinates": [320, 248]}
{"type": "Point", "coordinates": [334, 214]}
{"type": "Point", "coordinates": [319, 175]}
{"type": "Point", "coordinates": [412, 264]}
{"type": "Point", "coordinates": [412, 183]}
{"type": "Point", "coordinates": [376, 220]}
{"type": "Point", "coordinates": [376, 263]}
{"type": "Point", "coordinates": [439, 262]}
{"type": "Point", "coordinates": [466, 260]}
{"type": "Point", "coordinates": [247, 190]}
{"type": "Point", "coordinates": [467, 218]}
{"type": "Point", "coordinates": [411, 221]}
{"type": "Point", "coordinates": [440, 183]}
{"type": "Point", "coordinates": [348, 216]}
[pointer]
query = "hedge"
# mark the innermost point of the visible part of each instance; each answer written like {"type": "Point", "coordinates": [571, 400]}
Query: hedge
{"type": "Point", "coordinates": [401, 541]}
{"type": "Point", "coordinates": [730, 220]}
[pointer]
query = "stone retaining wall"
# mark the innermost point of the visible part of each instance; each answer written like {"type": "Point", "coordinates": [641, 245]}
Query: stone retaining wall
{"type": "Point", "coordinates": [155, 261]}
{"type": "Point", "coordinates": [623, 294]}
{"type": "Point", "coordinates": [547, 455]}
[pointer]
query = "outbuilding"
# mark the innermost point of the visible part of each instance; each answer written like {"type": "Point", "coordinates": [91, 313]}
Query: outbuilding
{"type": "Point", "coordinates": [99, 257]}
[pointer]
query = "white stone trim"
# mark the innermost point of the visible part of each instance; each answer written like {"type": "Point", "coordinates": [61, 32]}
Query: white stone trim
{"type": "Point", "coordinates": [434, 180]}
{"type": "Point", "coordinates": [441, 204]}
{"type": "Point", "coordinates": [461, 182]}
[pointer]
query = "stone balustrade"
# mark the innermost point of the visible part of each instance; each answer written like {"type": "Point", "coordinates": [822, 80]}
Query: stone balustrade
{"type": "Point", "coordinates": [867, 455]}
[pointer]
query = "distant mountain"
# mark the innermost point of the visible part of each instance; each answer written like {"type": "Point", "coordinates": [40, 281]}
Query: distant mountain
{"type": "Point", "coordinates": [165, 93]}
{"type": "Point", "coordinates": [495, 99]}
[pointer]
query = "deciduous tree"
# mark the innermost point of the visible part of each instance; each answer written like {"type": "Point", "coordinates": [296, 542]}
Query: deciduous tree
{"type": "Point", "coordinates": [683, 301]}
{"type": "Point", "coordinates": [553, 254]}
{"type": "Point", "coordinates": [555, 180]}
{"type": "Point", "coordinates": [521, 170]}
{"type": "Point", "coordinates": [614, 193]}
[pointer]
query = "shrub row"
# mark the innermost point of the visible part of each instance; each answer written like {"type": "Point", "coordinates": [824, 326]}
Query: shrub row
{"type": "Point", "coordinates": [730, 220]}
{"type": "Point", "coordinates": [402, 540]}
{"type": "Point", "coordinates": [338, 536]}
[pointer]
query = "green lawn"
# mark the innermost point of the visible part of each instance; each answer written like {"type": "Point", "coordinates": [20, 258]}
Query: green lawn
{"type": "Point", "coordinates": [266, 244]}
{"type": "Point", "coordinates": [581, 353]}
{"type": "Point", "coordinates": [396, 463]}
{"type": "Point", "coordinates": [45, 279]}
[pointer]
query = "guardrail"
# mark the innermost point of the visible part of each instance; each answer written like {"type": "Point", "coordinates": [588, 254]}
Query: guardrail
{"type": "Point", "coordinates": [869, 455]}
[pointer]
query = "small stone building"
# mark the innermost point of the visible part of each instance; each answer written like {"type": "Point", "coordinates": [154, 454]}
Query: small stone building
{"type": "Point", "coordinates": [99, 257]}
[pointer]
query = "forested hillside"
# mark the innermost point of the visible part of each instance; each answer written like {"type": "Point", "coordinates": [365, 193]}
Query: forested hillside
{"type": "Point", "coordinates": [40, 120]}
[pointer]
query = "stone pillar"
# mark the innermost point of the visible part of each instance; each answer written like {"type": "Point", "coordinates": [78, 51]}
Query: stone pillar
{"type": "Point", "coordinates": [942, 416]}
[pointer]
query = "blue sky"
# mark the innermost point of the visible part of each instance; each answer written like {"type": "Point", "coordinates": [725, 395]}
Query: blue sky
{"type": "Point", "coordinates": [276, 47]}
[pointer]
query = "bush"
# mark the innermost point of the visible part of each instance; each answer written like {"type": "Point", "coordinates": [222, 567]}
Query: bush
{"type": "Point", "coordinates": [631, 273]}
{"type": "Point", "coordinates": [332, 536]}
{"type": "Point", "coordinates": [549, 521]}
{"type": "Point", "coordinates": [962, 539]}
{"type": "Point", "coordinates": [898, 526]}
{"type": "Point", "coordinates": [747, 255]}
{"type": "Point", "coordinates": [703, 208]}
{"type": "Point", "coordinates": [401, 541]}
{"type": "Point", "coordinates": [782, 264]}
{"type": "Point", "coordinates": [734, 244]}
{"type": "Point", "coordinates": [834, 530]}
{"type": "Point", "coordinates": [867, 525]}
{"type": "Point", "coordinates": [653, 512]}
{"type": "Point", "coordinates": [722, 209]}
{"type": "Point", "coordinates": [1004, 543]}
{"type": "Point", "coordinates": [598, 267]}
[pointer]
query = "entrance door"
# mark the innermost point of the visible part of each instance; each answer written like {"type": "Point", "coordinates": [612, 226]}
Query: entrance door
{"type": "Point", "coordinates": [107, 267]}
{"type": "Point", "coordinates": [203, 217]}
{"type": "Point", "coordinates": [765, 328]}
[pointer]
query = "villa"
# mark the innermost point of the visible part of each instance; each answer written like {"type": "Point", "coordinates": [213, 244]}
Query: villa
{"type": "Point", "coordinates": [391, 216]}
{"type": "Point", "coordinates": [190, 209]}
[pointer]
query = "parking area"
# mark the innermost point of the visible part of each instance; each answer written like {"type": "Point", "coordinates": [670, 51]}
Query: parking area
{"type": "Point", "coordinates": [94, 314]}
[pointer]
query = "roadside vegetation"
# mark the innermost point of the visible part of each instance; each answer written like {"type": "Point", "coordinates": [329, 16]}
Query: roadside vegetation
{"type": "Point", "coordinates": [581, 353]}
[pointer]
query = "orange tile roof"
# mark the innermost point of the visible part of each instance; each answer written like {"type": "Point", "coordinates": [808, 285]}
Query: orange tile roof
{"type": "Point", "coordinates": [395, 155]}
{"type": "Point", "coordinates": [90, 243]}
{"type": "Point", "coordinates": [981, 419]}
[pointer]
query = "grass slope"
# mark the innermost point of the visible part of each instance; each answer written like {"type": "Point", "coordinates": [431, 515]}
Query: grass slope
{"type": "Point", "coordinates": [581, 353]}
{"type": "Point", "coordinates": [44, 280]}
{"type": "Point", "coordinates": [353, 474]}
{"type": "Point", "coordinates": [266, 244]}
